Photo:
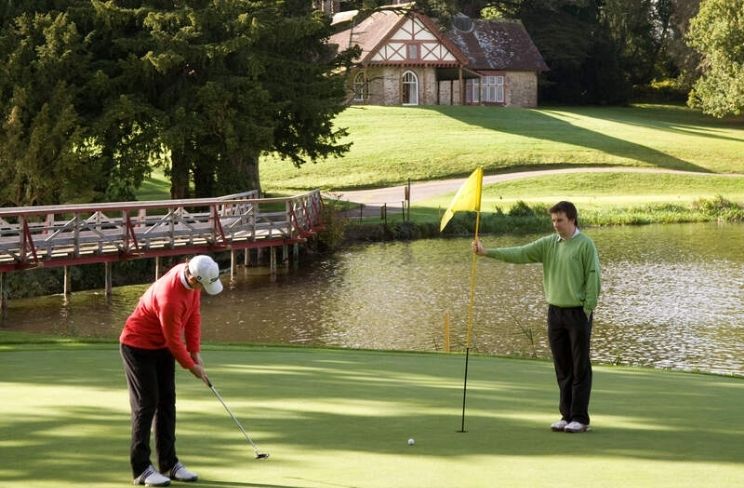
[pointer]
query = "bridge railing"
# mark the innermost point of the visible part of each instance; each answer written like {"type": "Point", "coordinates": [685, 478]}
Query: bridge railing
{"type": "Point", "coordinates": [74, 234]}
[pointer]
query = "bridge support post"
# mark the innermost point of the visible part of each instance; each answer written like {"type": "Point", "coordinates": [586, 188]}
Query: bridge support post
{"type": "Point", "coordinates": [66, 288]}
{"type": "Point", "coordinates": [285, 255]}
{"type": "Point", "coordinates": [232, 265]}
{"type": "Point", "coordinates": [272, 262]}
{"type": "Point", "coordinates": [259, 256]}
{"type": "Point", "coordinates": [157, 268]}
{"type": "Point", "coordinates": [107, 279]}
{"type": "Point", "coordinates": [246, 257]}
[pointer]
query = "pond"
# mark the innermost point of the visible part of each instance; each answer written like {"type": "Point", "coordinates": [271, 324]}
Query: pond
{"type": "Point", "coordinates": [672, 298]}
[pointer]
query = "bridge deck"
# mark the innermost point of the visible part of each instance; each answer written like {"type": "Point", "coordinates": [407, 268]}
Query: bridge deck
{"type": "Point", "coordinates": [63, 235]}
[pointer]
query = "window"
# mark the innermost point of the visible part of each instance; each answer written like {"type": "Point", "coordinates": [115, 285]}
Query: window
{"type": "Point", "coordinates": [361, 89]}
{"type": "Point", "coordinates": [492, 89]}
{"type": "Point", "coordinates": [411, 51]}
{"type": "Point", "coordinates": [472, 90]}
{"type": "Point", "coordinates": [410, 88]}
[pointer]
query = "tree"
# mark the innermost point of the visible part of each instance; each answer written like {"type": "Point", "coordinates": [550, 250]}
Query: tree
{"type": "Point", "coordinates": [200, 67]}
{"type": "Point", "coordinates": [576, 42]}
{"type": "Point", "coordinates": [46, 153]}
{"type": "Point", "coordinates": [683, 60]}
{"type": "Point", "coordinates": [717, 33]}
{"type": "Point", "coordinates": [68, 134]}
{"type": "Point", "coordinates": [630, 26]}
{"type": "Point", "coordinates": [92, 91]}
{"type": "Point", "coordinates": [234, 79]}
{"type": "Point", "coordinates": [306, 82]}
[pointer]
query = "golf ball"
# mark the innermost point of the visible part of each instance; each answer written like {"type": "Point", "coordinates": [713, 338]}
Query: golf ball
{"type": "Point", "coordinates": [411, 441]}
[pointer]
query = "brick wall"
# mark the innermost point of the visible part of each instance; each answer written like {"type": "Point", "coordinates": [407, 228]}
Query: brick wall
{"type": "Point", "coordinates": [449, 93]}
{"type": "Point", "coordinates": [521, 89]}
{"type": "Point", "coordinates": [385, 87]}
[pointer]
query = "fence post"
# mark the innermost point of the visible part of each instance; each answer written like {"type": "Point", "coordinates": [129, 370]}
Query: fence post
{"type": "Point", "coordinates": [3, 297]}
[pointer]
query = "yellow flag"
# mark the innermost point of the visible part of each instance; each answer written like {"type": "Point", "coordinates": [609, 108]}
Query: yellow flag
{"type": "Point", "coordinates": [467, 198]}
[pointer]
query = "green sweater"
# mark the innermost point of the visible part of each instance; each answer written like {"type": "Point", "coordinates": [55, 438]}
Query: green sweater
{"type": "Point", "coordinates": [570, 268]}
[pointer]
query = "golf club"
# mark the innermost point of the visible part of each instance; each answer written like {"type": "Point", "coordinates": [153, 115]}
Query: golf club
{"type": "Point", "coordinates": [259, 455]}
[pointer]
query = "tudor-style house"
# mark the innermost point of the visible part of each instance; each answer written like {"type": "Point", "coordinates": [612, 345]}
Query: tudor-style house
{"type": "Point", "coordinates": [407, 60]}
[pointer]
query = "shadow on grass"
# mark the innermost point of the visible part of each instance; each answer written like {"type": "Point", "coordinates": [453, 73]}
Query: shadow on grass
{"type": "Point", "coordinates": [539, 124]}
{"type": "Point", "coordinates": [64, 415]}
{"type": "Point", "coordinates": [237, 484]}
{"type": "Point", "coordinates": [670, 118]}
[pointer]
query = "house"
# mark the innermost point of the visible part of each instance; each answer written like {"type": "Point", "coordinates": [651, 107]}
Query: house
{"type": "Point", "coordinates": [407, 60]}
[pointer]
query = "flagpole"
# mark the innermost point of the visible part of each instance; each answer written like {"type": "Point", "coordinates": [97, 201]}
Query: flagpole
{"type": "Point", "coordinates": [467, 198]}
{"type": "Point", "coordinates": [469, 333]}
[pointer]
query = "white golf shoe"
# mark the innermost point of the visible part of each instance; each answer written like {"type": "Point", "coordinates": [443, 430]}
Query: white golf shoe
{"type": "Point", "coordinates": [179, 472]}
{"type": "Point", "coordinates": [576, 427]}
{"type": "Point", "coordinates": [558, 426]}
{"type": "Point", "coordinates": [150, 477]}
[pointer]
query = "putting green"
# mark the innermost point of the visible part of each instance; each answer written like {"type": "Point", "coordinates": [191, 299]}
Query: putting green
{"type": "Point", "coordinates": [333, 418]}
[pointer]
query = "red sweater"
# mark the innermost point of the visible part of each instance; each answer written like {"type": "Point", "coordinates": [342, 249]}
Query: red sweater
{"type": "Point", "coordinates": [167, 313]}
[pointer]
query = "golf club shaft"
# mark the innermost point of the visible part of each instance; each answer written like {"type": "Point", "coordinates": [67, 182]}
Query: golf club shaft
{"type": "Point", "coordinates": [219, 397]}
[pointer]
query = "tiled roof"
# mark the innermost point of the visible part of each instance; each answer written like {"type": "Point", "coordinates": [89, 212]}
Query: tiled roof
{"type": "Point", "coordinates": [368, 33]}
{"type": "Point", "coordinates": [486, 44]}
{"type": "Point", "coordinates": [497, 45]}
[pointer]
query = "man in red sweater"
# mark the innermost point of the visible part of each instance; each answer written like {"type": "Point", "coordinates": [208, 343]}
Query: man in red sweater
{"type": "Point", "coordinates": [165, 327]}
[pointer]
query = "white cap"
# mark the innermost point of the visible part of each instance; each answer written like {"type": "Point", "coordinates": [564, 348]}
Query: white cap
{"type": "Point", "coordinates": [207, 273]}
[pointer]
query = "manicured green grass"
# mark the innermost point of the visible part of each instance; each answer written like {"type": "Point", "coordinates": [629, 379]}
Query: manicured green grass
{"type": "Point", "coordinates": [602, 199]}
{"type": "Point", "coordinates": [342, 418]}
{"type": "Point", "coordinates": [392, 144]}
{"type": "Point", "coordinates": [605, 190]}
{"type": "Point", "coordinates": [155, 187]}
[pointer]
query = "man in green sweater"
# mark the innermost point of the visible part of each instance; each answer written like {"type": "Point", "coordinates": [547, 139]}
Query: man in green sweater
{"type": "Point", "coordinates": [571, 281]}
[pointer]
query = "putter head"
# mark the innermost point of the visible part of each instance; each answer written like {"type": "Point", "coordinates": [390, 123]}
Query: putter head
{"type": "Point", "coordinates": [262, 455]}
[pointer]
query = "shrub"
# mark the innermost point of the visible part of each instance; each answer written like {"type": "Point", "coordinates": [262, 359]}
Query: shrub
{"type": "Point", "coordinates": [659, 91]}
{"type": "Point", "coordinates": [720, 208]}
{"type": "Point", "coordinates": [521, 209]}
{"type": "Point", "coordinates": [334, 225]}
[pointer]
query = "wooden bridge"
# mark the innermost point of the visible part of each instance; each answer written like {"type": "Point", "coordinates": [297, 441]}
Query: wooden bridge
{"type": "Point", "coordinates": [68, 235]}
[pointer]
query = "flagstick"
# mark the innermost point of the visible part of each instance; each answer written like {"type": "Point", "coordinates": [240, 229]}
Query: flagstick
{"type": "Point", "coordinates": [471, 302]}
{"type": "Point", "coordinates": [464, 391]}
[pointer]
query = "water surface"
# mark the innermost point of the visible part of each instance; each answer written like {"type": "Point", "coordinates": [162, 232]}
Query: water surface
{"type": "Point", "coordinates": [672, 297]}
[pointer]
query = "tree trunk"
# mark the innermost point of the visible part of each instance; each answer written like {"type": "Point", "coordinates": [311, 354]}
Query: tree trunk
{"type": "Point", "coordinates": [238, 174]}
{"type": "Point", "coordinates": [179, 175]}
{"type": "Point", "coordinates": [204, 181]}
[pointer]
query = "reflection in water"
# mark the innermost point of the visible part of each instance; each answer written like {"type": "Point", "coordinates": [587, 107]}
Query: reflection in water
{"type": "Point", "coordinates": [672, 297]}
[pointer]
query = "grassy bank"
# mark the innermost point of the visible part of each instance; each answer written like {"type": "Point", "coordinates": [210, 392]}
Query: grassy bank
{"type": "Point", "coordinates": [602, 199]}
{"type": "Point", "coordinates": [342, 418]}
{"type": "Point", "coordinates": [392, 144]}
{"type": "Point", "coordinates": [610, 198]}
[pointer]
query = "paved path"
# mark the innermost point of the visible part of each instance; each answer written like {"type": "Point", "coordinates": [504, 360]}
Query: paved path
{"type": "Point", "coordinates": [393, 196]}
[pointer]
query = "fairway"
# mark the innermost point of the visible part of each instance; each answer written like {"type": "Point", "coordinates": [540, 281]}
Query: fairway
{"type": "Point", "coordinates": [333, 418]}
{"type": "Point", "coordinates": [393, 144]}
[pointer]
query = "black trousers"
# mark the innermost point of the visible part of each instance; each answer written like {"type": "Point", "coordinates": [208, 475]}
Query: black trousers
{"type": "Point", "coordinates": [152, 396]}
{"type": "Point", "coordinates": [569, 334]}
